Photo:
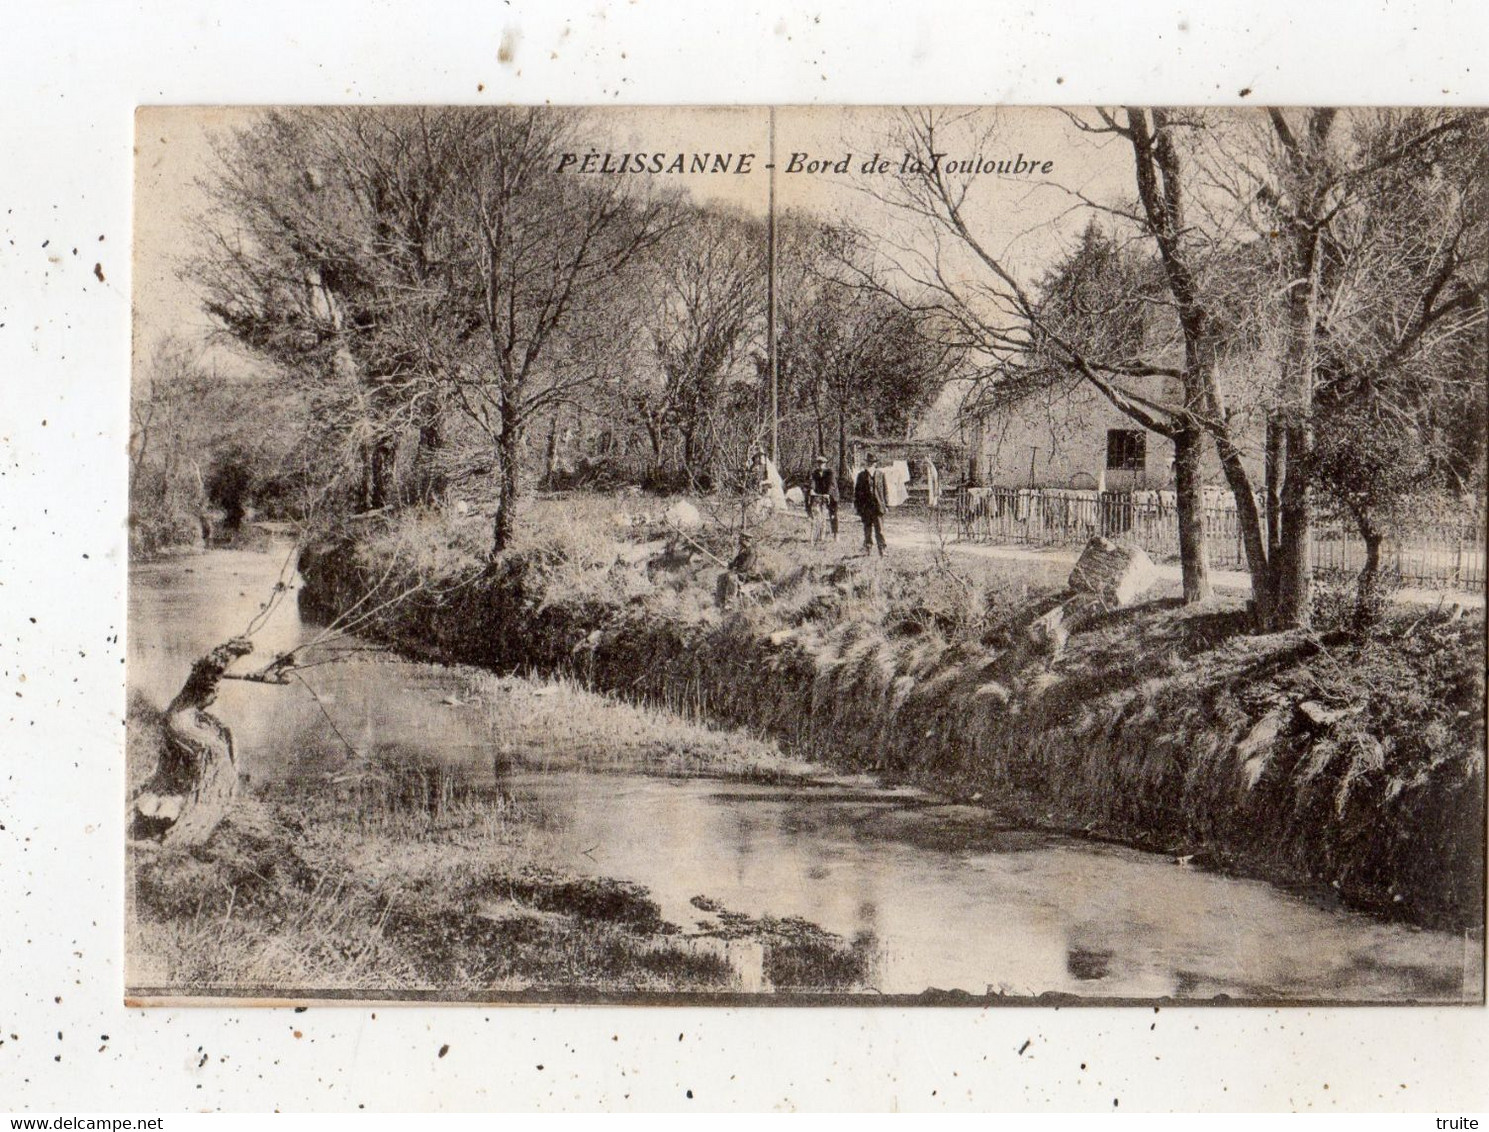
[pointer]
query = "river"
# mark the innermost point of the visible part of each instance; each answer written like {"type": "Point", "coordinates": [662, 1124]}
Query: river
{"type": "Point", "coordinates": [949, 898]}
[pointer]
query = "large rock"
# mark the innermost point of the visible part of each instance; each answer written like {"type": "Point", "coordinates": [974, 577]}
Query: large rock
{"type": "Point", "coordinates": [683, 515]}
{"type": "Point", "coordinates": [1115, 572]}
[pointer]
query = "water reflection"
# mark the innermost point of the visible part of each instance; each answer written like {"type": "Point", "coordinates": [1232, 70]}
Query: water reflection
{"type": "Point", "coordinates": [949, 899]}
{"type": "Point", "coordinates": [1020, 915]}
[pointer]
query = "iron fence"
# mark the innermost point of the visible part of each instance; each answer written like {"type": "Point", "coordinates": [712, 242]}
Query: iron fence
{"type": "Point", "coordinates": [1444, 554]}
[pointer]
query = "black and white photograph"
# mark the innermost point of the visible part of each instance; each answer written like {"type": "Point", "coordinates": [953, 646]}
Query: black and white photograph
{"type": "Point", "coordinates": [811, 555]}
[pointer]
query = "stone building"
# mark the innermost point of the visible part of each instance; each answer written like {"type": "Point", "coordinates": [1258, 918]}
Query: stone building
{"type": "Point", "coordinates": [1070, 436]}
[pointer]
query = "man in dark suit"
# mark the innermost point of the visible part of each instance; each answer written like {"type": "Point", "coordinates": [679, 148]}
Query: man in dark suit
{"type": "Point", "coordinates": [871, 501]}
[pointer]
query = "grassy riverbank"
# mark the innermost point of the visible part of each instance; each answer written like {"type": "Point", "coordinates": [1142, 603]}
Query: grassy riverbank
{"type": "Point", "coordinates": [406, 877]}
{"type": "Point", "coordinates": [1355, 765]}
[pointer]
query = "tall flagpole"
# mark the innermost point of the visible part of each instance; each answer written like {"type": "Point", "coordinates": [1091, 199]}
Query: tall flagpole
{"type": "Point", "coordinates": [770, 293]}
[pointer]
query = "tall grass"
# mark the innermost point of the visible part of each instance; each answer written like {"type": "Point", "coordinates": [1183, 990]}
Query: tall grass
{"type": "Point", "coordinates": [556, 722]}
{"type": "Point", "coordinates": [405, 873]}
{"type": "Point", "coordinates": [308, 894]}
{"type": "Point", "coordinates": [921, 666]}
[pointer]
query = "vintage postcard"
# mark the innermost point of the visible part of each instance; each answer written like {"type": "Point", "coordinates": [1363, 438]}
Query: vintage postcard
{"type": "Point", "coordinates": [808, 555]}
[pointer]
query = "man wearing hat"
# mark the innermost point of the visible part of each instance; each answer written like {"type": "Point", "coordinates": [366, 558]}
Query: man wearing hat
{"type": "Point", "coordinates": [822, 491]}
{"type": "Point", "coordinates": [871, 501]}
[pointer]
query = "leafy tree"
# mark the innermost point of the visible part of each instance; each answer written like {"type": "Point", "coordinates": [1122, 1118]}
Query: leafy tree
{"type": "Point", "coordinates": [326, 251]}
{"type": "Point", "coordinates": [859, 361]}
{"type": "Point", "coordinates": [407, 263]}
{"type": "Point", "coordinates": [710, 305]}
{"type": "Point", "coordinates": [1399, 407]}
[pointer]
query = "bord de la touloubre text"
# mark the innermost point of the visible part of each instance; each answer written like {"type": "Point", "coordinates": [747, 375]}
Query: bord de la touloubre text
{"type": "Point", "coordinates": [799, 162]}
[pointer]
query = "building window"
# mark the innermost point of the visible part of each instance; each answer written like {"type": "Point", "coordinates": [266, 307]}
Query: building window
{"type": "Point", "coordinates": [1126, 449]}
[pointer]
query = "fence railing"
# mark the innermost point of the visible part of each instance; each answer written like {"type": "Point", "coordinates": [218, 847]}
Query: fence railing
{"type": "Point", "coordinates": [1445, 555]}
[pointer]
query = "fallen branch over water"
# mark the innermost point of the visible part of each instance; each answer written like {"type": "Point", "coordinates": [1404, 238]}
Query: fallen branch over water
{"type": "Point", "coordinates": [197, 775]}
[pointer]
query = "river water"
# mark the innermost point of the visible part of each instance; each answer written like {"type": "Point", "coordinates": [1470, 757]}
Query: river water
{"type": "Point", "coordinates": [950, 899]}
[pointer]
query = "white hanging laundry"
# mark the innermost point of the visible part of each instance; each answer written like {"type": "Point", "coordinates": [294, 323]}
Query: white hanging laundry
{"type": "Point", "coordinates": [775, 489]}
{"type": "Point", "coordinates": [896, 477]}
{"type": "Point", "coordinates": [932, 484]}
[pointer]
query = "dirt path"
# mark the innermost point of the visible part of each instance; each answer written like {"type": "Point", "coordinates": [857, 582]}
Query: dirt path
{"type": "Point", "coordinates": [1058, 559]}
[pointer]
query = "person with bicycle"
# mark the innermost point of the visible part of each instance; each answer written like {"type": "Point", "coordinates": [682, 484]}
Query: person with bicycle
{"type": "Point", "coordinates": [822, 493]}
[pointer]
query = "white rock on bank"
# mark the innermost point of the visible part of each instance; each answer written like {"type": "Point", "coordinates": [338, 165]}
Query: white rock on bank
{"type": "Point", "coordinates": [1116, 572]}
{"type": "Point", "coordinates": [683, 515]}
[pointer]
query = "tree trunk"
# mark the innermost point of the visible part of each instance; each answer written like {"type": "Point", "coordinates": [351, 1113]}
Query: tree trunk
{"type": "Point", "coordinates": [384, 467]}
{"type": "Point", "coordinates": [508, 465]}
{"type": "Point", "coordinates": [379, 457]}
{"type": "Point", "coordinates": [820, 421]}
{"type": "Point", "coordinates": [1195, 566]}
{"type": "Point", "coordinates": [550, 454]}
{"type": "Point", "coordinates": [429, 480]}
{"type": "Point", "coordinates": [1275, 471]}
{"type": "Point", "coordinates": [1367, 587]}
{"type": "Point", "coordinates": [1291, 568]}
{"type": "Point", "coordinates": [1367, 608]}
{"type": "Point", "coordinates": [1161, 189]}
{"type": "Point", "coordinates": [364, 488]}
{"type": "Point", "coordinates": [842, 446]}
{"type": "Point", "coordinates": [1294, 576]}
{"type": "Point", "coordinates": [1253, 538]}
{"type": "Point", "coordinates": [1309, 176]}
{"type": "Point", "coordinates": [197, 775]}
{"type": "Point", "coordinates": [654, 436]}
{"type": "Point", "coordinates": [974, 454]}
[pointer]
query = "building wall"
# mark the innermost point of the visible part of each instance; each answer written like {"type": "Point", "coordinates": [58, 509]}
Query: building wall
{"type": "Point", "coordinates": [1065, 432]}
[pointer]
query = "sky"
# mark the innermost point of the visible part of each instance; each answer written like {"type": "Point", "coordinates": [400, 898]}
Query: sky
{"type": "Point", "coordinates": [1028, 218]}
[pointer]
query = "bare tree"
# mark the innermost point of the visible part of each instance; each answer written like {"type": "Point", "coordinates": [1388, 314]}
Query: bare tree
{"type": "Point", "coordinates": [408, 263]}
{"type": "Point", "coordinates": [543, 259]}
{"type": "Point", "coordinates": [1198, 188]}
{"type": "Point", "coordinates": [997, 312]}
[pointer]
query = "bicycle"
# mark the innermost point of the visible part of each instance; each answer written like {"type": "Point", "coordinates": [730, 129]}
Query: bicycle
{"type": "Point", "coordinates": [819, 508]}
